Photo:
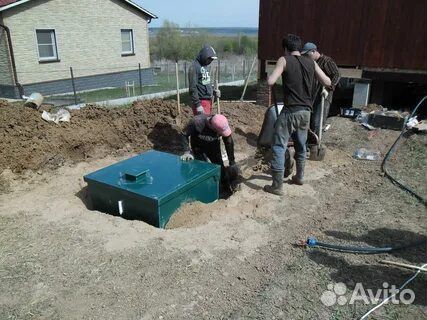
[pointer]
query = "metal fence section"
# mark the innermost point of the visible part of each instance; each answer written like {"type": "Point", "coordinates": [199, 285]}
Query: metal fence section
{"type": "Point", "coordinates": [97, 85]}
{"type": "Point", "coordinates": [222, 70]}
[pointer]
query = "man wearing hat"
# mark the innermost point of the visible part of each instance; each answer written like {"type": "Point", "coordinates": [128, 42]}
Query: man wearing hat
{"type": "Point", "coordinates": [298, 74]}
{"type": "Point", "coordinates": [205, 133]}
{"type": "Point", "coordinates": [199, 79]}
{"type": "Point", "coordinates": [330, 68]}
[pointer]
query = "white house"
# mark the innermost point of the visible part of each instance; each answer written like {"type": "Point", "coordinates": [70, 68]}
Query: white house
{"type": "Point", "coordinates": [103, 41]}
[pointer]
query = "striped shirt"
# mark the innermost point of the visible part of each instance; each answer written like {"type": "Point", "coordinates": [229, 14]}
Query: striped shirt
{"type": "Point", "coordinates": [330, 68]}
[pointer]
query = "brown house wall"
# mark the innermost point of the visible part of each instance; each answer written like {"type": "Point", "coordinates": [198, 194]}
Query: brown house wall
{"type": "Point", "coordinates": [388, 34]}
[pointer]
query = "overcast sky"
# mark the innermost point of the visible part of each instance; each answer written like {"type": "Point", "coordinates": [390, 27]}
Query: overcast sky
{"type": "Point", "coordinates": [204, 13]}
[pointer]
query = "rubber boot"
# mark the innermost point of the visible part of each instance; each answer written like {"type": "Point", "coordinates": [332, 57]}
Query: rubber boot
{"type": "Point", "coordinates": [277, 186]}
{"type": "Point", "coordinates": [289, 163]}
{"type": "Point", "coordinates": [298, 178]}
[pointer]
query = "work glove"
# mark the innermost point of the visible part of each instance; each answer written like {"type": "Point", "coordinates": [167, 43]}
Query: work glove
{"type": "Point", "coordinates": [325, 93]}
{"type": "Point", "coordinates": [200, 109]}
{"type": "Point", "coordinates": [233, 172]}
{"type": "Point", "coordinates": [217, 93]}
{"type": "Point", "coordinates": [187, 156]}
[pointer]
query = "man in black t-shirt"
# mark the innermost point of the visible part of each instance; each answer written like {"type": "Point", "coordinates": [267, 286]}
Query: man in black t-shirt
{"type": "Point", "coordinates": [298, 75]}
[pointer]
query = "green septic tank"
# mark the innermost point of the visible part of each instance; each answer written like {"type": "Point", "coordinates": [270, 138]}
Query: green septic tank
{"type": "Point", "coordinates": [152, 185]}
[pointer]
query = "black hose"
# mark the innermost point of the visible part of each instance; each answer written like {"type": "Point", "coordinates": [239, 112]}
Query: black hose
{"type": "Point", "coordinates": [312, 242]}
{"type": "Point", "coordinates": [392, 151]}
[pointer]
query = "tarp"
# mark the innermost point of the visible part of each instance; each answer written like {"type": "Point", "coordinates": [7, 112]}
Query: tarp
{"type": "Point", "coordinates": [265, 136]}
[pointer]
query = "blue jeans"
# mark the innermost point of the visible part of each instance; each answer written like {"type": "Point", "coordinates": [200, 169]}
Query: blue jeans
{"type": "Point", "coordinates": [290, 124]}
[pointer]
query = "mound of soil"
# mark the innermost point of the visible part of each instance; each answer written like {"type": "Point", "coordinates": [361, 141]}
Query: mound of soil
{"type": "Point", "coordinates": [30, 143]}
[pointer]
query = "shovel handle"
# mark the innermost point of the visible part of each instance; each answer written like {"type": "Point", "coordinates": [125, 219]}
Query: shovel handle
{"type": "Point", "coordinates": [273, 95]}
{"type": "Point", "coordinates": [217, 99]}
{"type": "Point", "coordinates": [322, 107]}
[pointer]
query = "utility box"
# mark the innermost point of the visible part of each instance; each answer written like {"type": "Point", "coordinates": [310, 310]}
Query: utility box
{"type": "Point", "coordinates": [152, 185]}
{"type": "Point", "coordinates": [362, 89]}
{"type": "Point", "coordinates": [386, 122]}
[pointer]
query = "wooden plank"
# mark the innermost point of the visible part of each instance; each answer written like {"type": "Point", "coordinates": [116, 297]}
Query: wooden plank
{"type": "Point", "coordinates": [350, 73]}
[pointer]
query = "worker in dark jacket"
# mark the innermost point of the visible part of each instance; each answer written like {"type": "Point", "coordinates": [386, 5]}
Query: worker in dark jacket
{"type": "Point", "coordinates": [199, 79]}
{"type": "Point", "coordinates": [205, 134]}
{"type": "Point", "coordinates": [330, 68]}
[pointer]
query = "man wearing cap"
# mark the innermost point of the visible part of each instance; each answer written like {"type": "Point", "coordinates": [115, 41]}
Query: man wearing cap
{"type": "Point", "coordinates": [205, 133]}
{"type": "Point", "coordinates": [298, 74]}
{"type": "Point", "coordinates": [200, 86]}
{"type": "Point", "coordinates": [330, 68]}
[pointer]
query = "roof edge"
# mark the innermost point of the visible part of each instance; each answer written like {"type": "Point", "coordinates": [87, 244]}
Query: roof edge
{"type": "Point", "coordinates": [148, 13]}
{"type": "Point", "coordinates": [133, 4]}
{"type": "Point", "coordinates": [14, 4]}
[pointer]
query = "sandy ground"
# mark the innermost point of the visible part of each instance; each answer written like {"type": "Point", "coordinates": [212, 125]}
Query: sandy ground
{"type": "Point", "coordinates": [232, 259]}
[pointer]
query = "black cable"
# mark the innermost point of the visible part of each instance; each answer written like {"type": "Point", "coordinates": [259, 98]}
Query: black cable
{"type": "Point", "coordinates": [312, 242]}
{"type": "Point", "coordinates": [392, 151]}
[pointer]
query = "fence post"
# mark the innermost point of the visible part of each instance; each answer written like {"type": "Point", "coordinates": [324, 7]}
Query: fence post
{"type": "Point", "coordinates": [185, 74]}
{"type": "Point", "coordinates": [247, 79]}
{"type": "Point", "coordinates": [177, 90]}
{"type": "Point", "coordinates": [167, 71]}
{"type": "Point", "coordinates": [244, 68]}
{"type": "Point", "coordinates": [140, 78]}
{"type": "Point", "coordinates": [219, 70]}
{"type": "Point", "coordinates": [74, 85]}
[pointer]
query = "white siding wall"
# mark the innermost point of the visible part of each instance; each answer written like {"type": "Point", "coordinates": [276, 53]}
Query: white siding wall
{"type": "Point", "coordinates": [87, 33]}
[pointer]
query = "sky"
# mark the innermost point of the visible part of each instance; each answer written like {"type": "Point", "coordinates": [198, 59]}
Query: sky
{"type": "Point", "coordinates": [204, 13]}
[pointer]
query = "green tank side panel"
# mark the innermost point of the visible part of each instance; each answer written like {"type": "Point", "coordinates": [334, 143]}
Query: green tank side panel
{"type": "Point", "coordinates": [152, 185]}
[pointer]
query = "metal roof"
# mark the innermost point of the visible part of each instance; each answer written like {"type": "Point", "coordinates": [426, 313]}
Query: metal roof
{"type": "Point", "coordinates": [7, 4]}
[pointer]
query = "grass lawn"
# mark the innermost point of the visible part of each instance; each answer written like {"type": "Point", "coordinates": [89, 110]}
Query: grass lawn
{"type": "Point", "coordinates": [163, 82]}
{"type": "Point", "coordinates": [227, 93]}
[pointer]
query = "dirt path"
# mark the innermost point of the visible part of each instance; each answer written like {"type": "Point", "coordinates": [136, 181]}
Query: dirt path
{"type": "Point", "coordinates": [230, 259]}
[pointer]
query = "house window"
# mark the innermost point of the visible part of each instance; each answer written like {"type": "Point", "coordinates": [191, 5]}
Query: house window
{"type": "Point", "coordinates": [127, 42]}
{"type": "Point", "coordinates": [46, 43]}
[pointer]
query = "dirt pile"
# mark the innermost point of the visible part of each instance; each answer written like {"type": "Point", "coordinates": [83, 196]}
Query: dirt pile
{"type": "Point", "coordinates": [29, 142]}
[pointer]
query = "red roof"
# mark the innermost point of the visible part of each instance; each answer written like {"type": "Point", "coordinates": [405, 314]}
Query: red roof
{"type": "Point", "coordinates": [6, 2]}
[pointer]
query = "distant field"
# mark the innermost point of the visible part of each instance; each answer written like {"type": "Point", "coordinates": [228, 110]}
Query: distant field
{"type": "Point", "coordinates": [219, 32]}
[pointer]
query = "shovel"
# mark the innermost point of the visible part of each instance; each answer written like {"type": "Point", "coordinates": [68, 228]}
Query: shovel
{"type": "Point", "coordinates": [218, 111]}
{"type": "Point", "coordinates": [317, 152]}
{"type": "Point", "coordinates": [218, 108]}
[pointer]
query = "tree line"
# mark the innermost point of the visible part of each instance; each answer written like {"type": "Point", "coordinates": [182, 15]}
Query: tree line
{"type": "Point", "coordinates": [171, 44]}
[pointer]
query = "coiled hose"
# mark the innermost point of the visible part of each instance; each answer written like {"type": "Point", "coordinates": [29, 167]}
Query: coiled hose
{"type": "Point", "coordinates": [393, 150]}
